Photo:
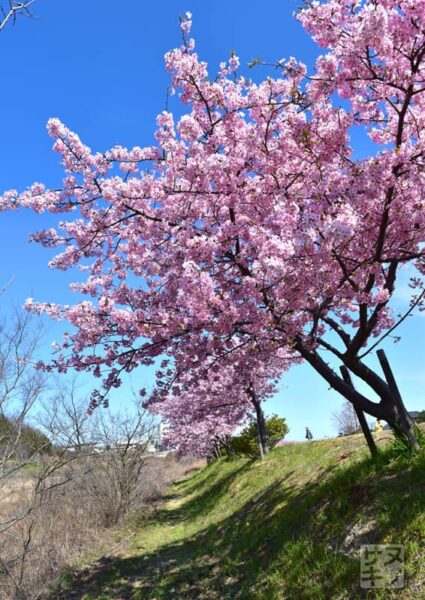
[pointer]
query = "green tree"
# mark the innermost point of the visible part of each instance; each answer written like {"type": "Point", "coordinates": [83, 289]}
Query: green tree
{"type": "Point", "coordinates": [21, 440]}
{"type": "Point", "coordinates": [247, 441]}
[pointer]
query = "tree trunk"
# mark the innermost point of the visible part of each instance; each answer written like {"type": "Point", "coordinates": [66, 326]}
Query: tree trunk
{"type": "Point", "coordinates": [261, 429]}
{"type": "Point", "coordinates": [391, 407]}
{"type": "Point", "coordinates": [403, 423]}
{"type": "Point", "coordinates": [261, 442]}
{"type": "Point", "coordinates": [261, 424]}
{"type": "Point", "coordinates": [361, 418]}
{"type": "Point", "coordinates": [218, 450]}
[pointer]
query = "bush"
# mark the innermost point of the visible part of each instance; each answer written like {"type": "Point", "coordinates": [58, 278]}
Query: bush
{"type": "Point", "coordinates": [246, 443]}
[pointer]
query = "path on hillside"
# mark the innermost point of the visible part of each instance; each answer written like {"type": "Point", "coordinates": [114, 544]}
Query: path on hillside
{"type": "Point", "coordinates": [286, 528]}
{"type": "Point", "coordinates": [122, 572]}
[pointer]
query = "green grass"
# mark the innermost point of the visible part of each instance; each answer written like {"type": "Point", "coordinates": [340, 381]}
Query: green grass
{"type": "Point", "coordinates": [290, 527]}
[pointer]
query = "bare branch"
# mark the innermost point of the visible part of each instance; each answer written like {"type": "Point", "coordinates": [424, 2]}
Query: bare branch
{"type": "Point", "coordinates": [15, 9]}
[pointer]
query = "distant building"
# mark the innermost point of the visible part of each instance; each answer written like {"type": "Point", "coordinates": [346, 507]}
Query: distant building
{"type": "Point", "coordinates": [163, 428]}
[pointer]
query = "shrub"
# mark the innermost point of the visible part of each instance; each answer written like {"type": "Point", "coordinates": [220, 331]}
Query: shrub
{"type": "Point", "coordinates": [246, 443]}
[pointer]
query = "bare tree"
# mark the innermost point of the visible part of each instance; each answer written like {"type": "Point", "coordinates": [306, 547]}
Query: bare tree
{"type": "Point", "coordinates": [346, 420]}
{"type": "Point", "coordinates": [20, 387]}
{"type": "Point", "coordinates": [87, 470]}
{"type": "Point", "coordinates": [112, 449]}
{"type": "Point", "coordinates": [28, 473]}
{"type": "Point", "coordinates": [123, 440]}
{"type": "Point", "coordinates": [64, 417]}
{"type": "Point", "coordinates": [99, 471]}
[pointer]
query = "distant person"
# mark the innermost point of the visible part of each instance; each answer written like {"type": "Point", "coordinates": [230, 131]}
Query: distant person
{"type": "Point", "coordinates": [378, 426]}
{"type": "Point", "coordinates": [308, 434]}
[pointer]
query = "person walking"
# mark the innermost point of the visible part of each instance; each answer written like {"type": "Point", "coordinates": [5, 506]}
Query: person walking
{"type": "Point", "coordinates": [308, 434]}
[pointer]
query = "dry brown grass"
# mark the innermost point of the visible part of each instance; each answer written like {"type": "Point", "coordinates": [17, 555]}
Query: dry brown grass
{"type": "Point", "coordinates": [67, 524]}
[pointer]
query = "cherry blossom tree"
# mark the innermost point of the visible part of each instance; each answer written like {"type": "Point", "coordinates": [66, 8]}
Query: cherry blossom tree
{"type": "Point", "coordinates": [251, 227]}
{"type": "Point", "coordinates": [203, 406]}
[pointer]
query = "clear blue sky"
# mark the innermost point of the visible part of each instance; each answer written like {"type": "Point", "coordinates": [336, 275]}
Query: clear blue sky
{"type": "Point", "coordinates": [98, 66]}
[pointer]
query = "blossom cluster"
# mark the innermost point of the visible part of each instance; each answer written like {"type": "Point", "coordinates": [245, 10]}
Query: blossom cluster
{"type": "Point", "coordinates": [249, 232]}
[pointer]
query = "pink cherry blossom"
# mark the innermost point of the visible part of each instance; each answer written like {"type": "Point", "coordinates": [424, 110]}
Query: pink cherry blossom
{"type": "Point", "coordinates": [250, 233]}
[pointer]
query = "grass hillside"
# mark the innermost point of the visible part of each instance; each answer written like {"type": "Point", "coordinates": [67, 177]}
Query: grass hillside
{"type": "Point", "coordinates": [289, 527]}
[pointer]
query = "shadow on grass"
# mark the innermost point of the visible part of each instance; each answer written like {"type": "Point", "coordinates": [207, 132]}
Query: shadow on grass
{"type": "Point", "coordinates": [283, 543]}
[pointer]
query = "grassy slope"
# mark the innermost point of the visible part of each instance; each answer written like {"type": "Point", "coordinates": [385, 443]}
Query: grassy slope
{"type": "Point", "coordinates": [289, 527]}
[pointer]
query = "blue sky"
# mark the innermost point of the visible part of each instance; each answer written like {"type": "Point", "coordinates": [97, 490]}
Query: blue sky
{"type": "Point", "coordinates": [99, 67]}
